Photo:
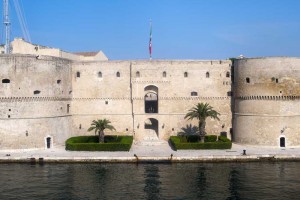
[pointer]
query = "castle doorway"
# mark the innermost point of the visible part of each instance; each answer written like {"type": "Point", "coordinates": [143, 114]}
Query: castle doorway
{"type": "Point", "coordinates": [151, 129]}
{"type": "Point", "coordinates": [48, 142]}
{"type": "Point", "coordinates": [151, 99]}
{"type": "Point", "coordinates": [282, 141]}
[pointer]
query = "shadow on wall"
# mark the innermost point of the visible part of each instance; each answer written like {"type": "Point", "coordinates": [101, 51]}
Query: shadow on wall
{"type": "Point", "coordinates": [188, 130]}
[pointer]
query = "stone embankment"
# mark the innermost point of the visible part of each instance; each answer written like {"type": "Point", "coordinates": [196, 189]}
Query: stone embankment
{"type": "Point", "coordinates": [160, 153]}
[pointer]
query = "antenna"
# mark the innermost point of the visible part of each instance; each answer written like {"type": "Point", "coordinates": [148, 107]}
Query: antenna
{"type": "Point", "coordinates": [7, 26]}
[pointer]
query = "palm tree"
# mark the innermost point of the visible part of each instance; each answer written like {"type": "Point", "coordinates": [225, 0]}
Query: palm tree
{"type": "Point", "coordinates": [201, 111]}
{"type": "Point", "coordinates": [99, 126]}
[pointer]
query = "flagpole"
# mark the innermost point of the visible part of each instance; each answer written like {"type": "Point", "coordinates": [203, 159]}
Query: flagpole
{"type": "Point", "coordinates": [150, 40]}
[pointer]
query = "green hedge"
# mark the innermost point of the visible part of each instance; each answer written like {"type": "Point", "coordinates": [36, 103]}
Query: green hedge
{"type": "Point", "coordinates": [90, 143]}
{"type": "Point", "coordinates": [181, 142]}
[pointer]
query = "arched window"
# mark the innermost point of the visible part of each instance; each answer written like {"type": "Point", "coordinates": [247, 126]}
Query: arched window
{"type": "Point", "coordinates": [207, 74]}
{"type": "Point", "coordinates": [247, 80]}
{"type": "Point", "coordinates": [185, 74]}
{"type": "Point", "coordinates": [100, 74]}
{"type": "Point", "coordinates": [5, 80]}
{"type": "Point", "coordinates": [194, 94]}
{"type": "Point", "coordinates": [137, 74]}
{"type": "Point", "coordinates": [78, 74]}
{"type": "Point", "coordinates": [227, 74]}
{"type": "Point", "coordinates": [164, 74]}
{"type": "Point", "coordinates": [151, 99]}
{"type": "Point", "coordinates": [118, 74]}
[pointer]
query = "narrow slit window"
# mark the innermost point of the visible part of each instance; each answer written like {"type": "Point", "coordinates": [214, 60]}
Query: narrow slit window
{"type": "Point", "coordinates": [36, 92]}
{"type": "Point", "coordinates": [5, 80]}
{"type": "Point", "coordinates": [207, 74]}
{"type": "Point", "coordinates": [164, 74]}
{"type": "Point", "coordinates": [227, 74]}
{"type": "Point", "coordinates": [118, 74]}
{"type": "Point", "coordinates": [78, 74]}
{"type": "Point", "coordinates": [100, 74]}
{"type": "Point", "coordinates": [185, 74]}
{"type": "Point", "coordinates": [247, 80]}
{"type": "Point", "coordinates": [137, 74]}
{"type": "Point", "coordinates": [194, 94]}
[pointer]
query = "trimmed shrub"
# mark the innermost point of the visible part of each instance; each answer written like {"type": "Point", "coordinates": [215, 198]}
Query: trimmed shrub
{"type": "Point", "coordinates": [210, 138]}
{"type": "Point", "coordinates": [179, 143]}
{"type": "Point", "coordinates": [91, 143]}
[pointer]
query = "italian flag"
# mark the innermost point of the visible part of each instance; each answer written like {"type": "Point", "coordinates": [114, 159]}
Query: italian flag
{"type": "Point", "coordinates": [150, 41]}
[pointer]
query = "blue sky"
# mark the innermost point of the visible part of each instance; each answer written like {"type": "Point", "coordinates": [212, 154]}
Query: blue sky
{"type": "Point", "coordinates": [182, 29]}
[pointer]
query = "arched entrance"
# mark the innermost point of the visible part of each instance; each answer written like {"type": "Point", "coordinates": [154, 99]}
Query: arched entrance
{"type": "Point", "coordinates": [151, 129]}
{"type": "Point", "coordinates": [282, 141]}
{"type": "Point", "coordinates": [151, 99]}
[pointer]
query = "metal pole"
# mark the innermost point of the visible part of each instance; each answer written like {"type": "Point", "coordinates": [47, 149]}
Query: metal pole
{"type": "Point", "coordinates": [7, 26]}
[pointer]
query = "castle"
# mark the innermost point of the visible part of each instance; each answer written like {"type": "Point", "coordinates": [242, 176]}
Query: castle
{"type": "Point", "coordinates": [48, 95]}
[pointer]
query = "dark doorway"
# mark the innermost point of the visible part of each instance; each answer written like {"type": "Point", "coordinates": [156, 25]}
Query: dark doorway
{"type": "Point", "coordinates": [151, 127]}
{"type": "Point", "coordinates": [48, 140]}
{"type": "Point", "coordinates": [282, 142]}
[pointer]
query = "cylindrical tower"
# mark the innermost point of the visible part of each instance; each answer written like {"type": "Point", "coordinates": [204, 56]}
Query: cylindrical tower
{"type": "Point", "coordinates": [267, 101]}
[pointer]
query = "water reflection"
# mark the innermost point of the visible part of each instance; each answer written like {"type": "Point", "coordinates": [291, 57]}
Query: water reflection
{"type": "Point", "coordinates": [234, 185]}
{"type": "Point", "coordinates": [151, 181]}
{"type": "Point", "coordinates": [201, 182]}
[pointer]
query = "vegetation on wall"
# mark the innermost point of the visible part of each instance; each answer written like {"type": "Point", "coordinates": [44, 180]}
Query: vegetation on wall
{"type": "Point", "coordinates": [91, 143]}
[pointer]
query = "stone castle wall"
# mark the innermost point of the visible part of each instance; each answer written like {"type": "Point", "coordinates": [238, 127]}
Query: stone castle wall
{"type": "Point", "coordinates": [52, 97]}
{"type": "Point", "coordinates": [267, 101]}
{"type": "Point", "coordinates": [108, 96]}
{"type": "Point", "coordinates": [34, 100]}
{"type": "Point", "coordinates": [48, 97]}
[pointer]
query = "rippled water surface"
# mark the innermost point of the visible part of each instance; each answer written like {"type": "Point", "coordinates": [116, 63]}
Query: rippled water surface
{"type": "Point", "coordinates": [280, 180]}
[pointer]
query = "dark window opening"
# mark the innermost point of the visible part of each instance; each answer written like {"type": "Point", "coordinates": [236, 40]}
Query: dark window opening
{"type": "Point", "coordinates": [229, 93]}
{"type": "Point", "coordinates": [58, 81]}
{"type": "Point", "coordinates": [164, 74]}
{"type": "Point", "coordinates": [137, 74]}
{"type": "Point", "coordinates": [151, 103]}
{"type": "Point", "coordinates": [247, 80]}
{"type": "Point", "coordinates": [194, 94]}
{"type": "Point", "coordinates": [79, 126]}
{"type": "Point", "coordinates": [106, 102]}
{"type": "Point", "coordinates": [276, 80]}
{"type": "Point", "coordinates": [36, 92]}
{"type": "Point", "coordinates": [282, 142]}
{"type": "Point", "coordinates": [207, 74]}
{"type": "Point", "coordinates": [5, 80]}
{"type": "Point", "coordinates": [126, 129]}
{"type": "Point", "coordinates": [48, 140]}
{"type": "Point", "coordinates": [118, 74]}
{"type": "Point", "coordinates": [9, 109]}
{"type": "Point", "coordinates": [100, 74]}
{"type": "Point", "coordinates": [227, 74]}
{"type": "Point", "coordinates": [185, 74]}
{"type": "Point", "coordinates": [8, 116]}
{"type": "Point", "coordinates": [68, 108]}
{"type": "Point", "coordinates": [78, 74]}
